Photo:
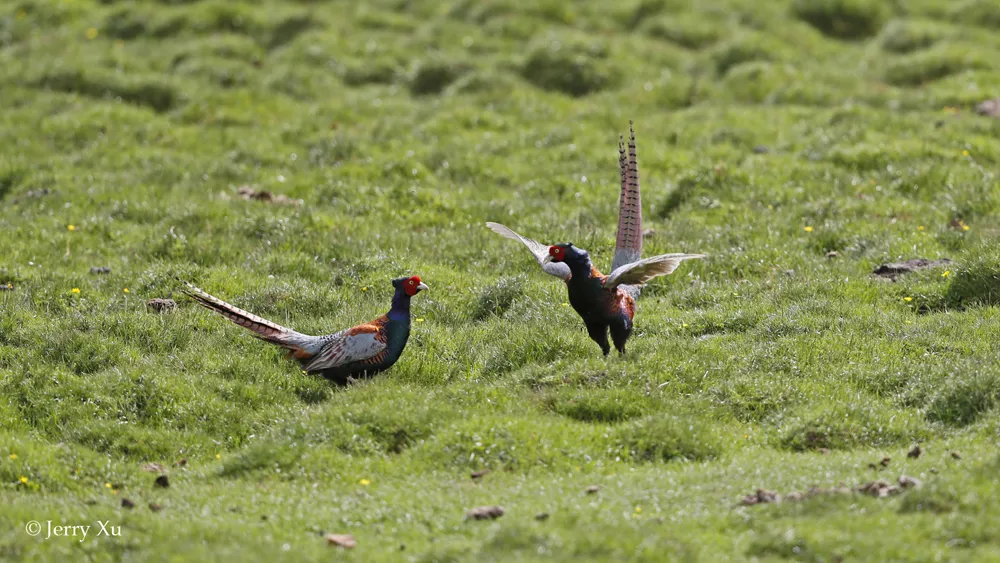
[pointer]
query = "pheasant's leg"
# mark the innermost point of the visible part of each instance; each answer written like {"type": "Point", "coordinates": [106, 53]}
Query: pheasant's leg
{"type": "Point", "coordinates": [599, 334]}
{"type": "Point", "coordinates": [620, 332]}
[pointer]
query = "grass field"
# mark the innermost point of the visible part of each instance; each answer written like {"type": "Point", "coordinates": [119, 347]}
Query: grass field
{"type": "Point", "coordinates": [770, 134]}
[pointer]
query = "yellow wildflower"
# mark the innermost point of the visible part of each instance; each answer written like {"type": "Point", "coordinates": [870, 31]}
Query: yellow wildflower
{"type": "Point", "coordinates": [13, 456]}
{"type": "Point", "coordinates": [638, 509]}
{"type": "Point", "coordinates": [965, 227]}
{"type": "Point", "coordinates": [965, 153]}
{"type": "Point", "coordinates": [75, 290]}
{"type": "Point", "coordinates": [24, 479]}
{"type": "Point", "coordinates": [907, 299]}
{"type": "Point", "coordinates": [920, 228]}
{"type": "Point", "coordinates": [807, 229]}
{"type": "Point", "coordinates": [565, 304]}
{"type": "Point", "coordinates": [420, 320]}
{"type": "Point", "coordinates": [107, 485]}
{"type": "Point", "coordinates": [365, 288]}
{"type": "Point", "coordinates": [946, 273]}
{"type": "Point", "coordinates": [70, 227]}
{"type": "Point", "coordinates": [684, 325]}
{"type": "Point", "coordinates": [92, 33]}
{"type": "Point", "coordinates": [125, 290]}
{"type": "Point", "coordinates": [365, 482]}
{"type": "Point", "coordinates": [218, 456]}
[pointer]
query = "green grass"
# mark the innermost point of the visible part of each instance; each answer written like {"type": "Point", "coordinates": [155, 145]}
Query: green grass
{"type": "Point", "coordinates": [769, 135]}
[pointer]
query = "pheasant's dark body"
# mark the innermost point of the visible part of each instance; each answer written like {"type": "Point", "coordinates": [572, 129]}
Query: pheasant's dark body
{"type": "Point", "coordinates": [602, 309]}
{"type": "Point", "coordinates": [395, 326]}
{"type": "Point", "coordinates": [360, 351]}
{"type": "Point", "coordinates": [606, 303]}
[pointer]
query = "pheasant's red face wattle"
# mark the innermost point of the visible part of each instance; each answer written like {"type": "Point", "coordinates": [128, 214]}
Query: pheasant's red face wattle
{"type": "Point", "coordinates": [412, 286]}
{"type": "Point", "coordinates": [557, 253]}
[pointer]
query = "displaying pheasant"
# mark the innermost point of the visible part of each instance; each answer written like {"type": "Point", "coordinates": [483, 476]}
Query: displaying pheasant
{"type": "Point", "coordinates": [606, 302]}
{"type": "Point", "coordinates": [360, 351]}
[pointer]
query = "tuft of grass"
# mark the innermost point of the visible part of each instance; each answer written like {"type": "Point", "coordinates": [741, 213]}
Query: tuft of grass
{"type": "Point", "coordinates": [264, 457]}
{"type": "Point", "coordinates": [965, 399]}
{"type": "Point", "coordinates": [907, 36]}
{"type": "Point", "coordinates": [685, 29]}
{"type": "Point", "coordinates": [843, 19]}
{"type": "Point", "coordinates": [933, 64]}
{"type": "Point", "coordinates": [746, 48]}
{"type": "Point", "coordinates": [600, 406]}
{"type": "Point", "coordinates": [572, 66]}
{"type": "Point", "coordinates": [668, 438]}
{"type": "Point", "coordinates": [851, 426]}
{"type": "Point", "coordinates": [498, 297]}
{"type": "Point", "coordinates": [976, 12]}
{"type": "Point", "coordinates": [155, 93]}
{"type": "Point", "coordinates": [433, 76]}
{"type": "Point", "coordinates": [975, 284]}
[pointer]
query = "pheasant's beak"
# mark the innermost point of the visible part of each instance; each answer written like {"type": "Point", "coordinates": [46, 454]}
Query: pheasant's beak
{"type": "Point", "coordinates": [547, 259]}
{"type": "Point", "coordinates": [423, 286]}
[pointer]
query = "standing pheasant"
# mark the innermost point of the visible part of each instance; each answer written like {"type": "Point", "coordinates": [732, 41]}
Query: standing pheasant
{"type": "Point", "coordinates": [606, 302]}
{"type": "Point", "coordinates": [360, 351]}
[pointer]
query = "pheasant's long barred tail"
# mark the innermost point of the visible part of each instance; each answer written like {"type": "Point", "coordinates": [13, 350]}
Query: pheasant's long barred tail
{"type": "Point", "coordinates": [623, 170]}
{"type": "Point", "coordinates": [628, 243]}
{"type": "Point", "coordinates": [261, 327]}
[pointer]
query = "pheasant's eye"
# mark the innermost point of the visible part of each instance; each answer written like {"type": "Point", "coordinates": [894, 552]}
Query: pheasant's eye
{"type": "Point", "coordinates": [411, 282]}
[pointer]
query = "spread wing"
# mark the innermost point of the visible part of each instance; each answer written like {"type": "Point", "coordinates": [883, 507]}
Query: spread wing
{"type": "Point", "coordinates": [348, 346]}
{"type": "Point", "coordinates": [638, 273]}
{"type": "Point", "coordinates": [538, 250]}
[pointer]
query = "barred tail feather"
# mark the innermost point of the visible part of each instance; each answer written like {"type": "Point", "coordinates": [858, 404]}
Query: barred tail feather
{"type": "Point", "coordinates": [623, 172]}
{"type": "Point", "coordinates": [261, 327]}
{"type": "Point", "coordinates": [628, 243]}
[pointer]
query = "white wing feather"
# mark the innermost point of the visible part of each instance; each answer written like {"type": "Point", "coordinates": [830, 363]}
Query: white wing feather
{"type": "Point", "coordinates": [344, 348]}
{"type": "Point", "coordinates": [538, 250]}
{"type": "Point", "coordinates": [638, 273]}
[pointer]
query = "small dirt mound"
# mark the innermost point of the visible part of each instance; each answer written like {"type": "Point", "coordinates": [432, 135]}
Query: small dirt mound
{"type": "Point", "coordinates": [893, 270]}
{"type": "Point", "coordinates": [877, 489]}
{"type": "Point", "coordinates": [989, 108]}
{"type": "Point", "coordinates": [248, 193]}
{"type": "Point", "coordinates": [159, 305]}
{"type": "Point", "coordinates": [484, 513]}
{"type": "Point", "coordinates": [346, 541]}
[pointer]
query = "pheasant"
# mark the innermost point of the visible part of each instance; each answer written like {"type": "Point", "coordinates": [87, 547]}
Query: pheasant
{"type": "Point", "coordinates": [606, 302]}
{"type": "Point", "coordinates": [360, 351]}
